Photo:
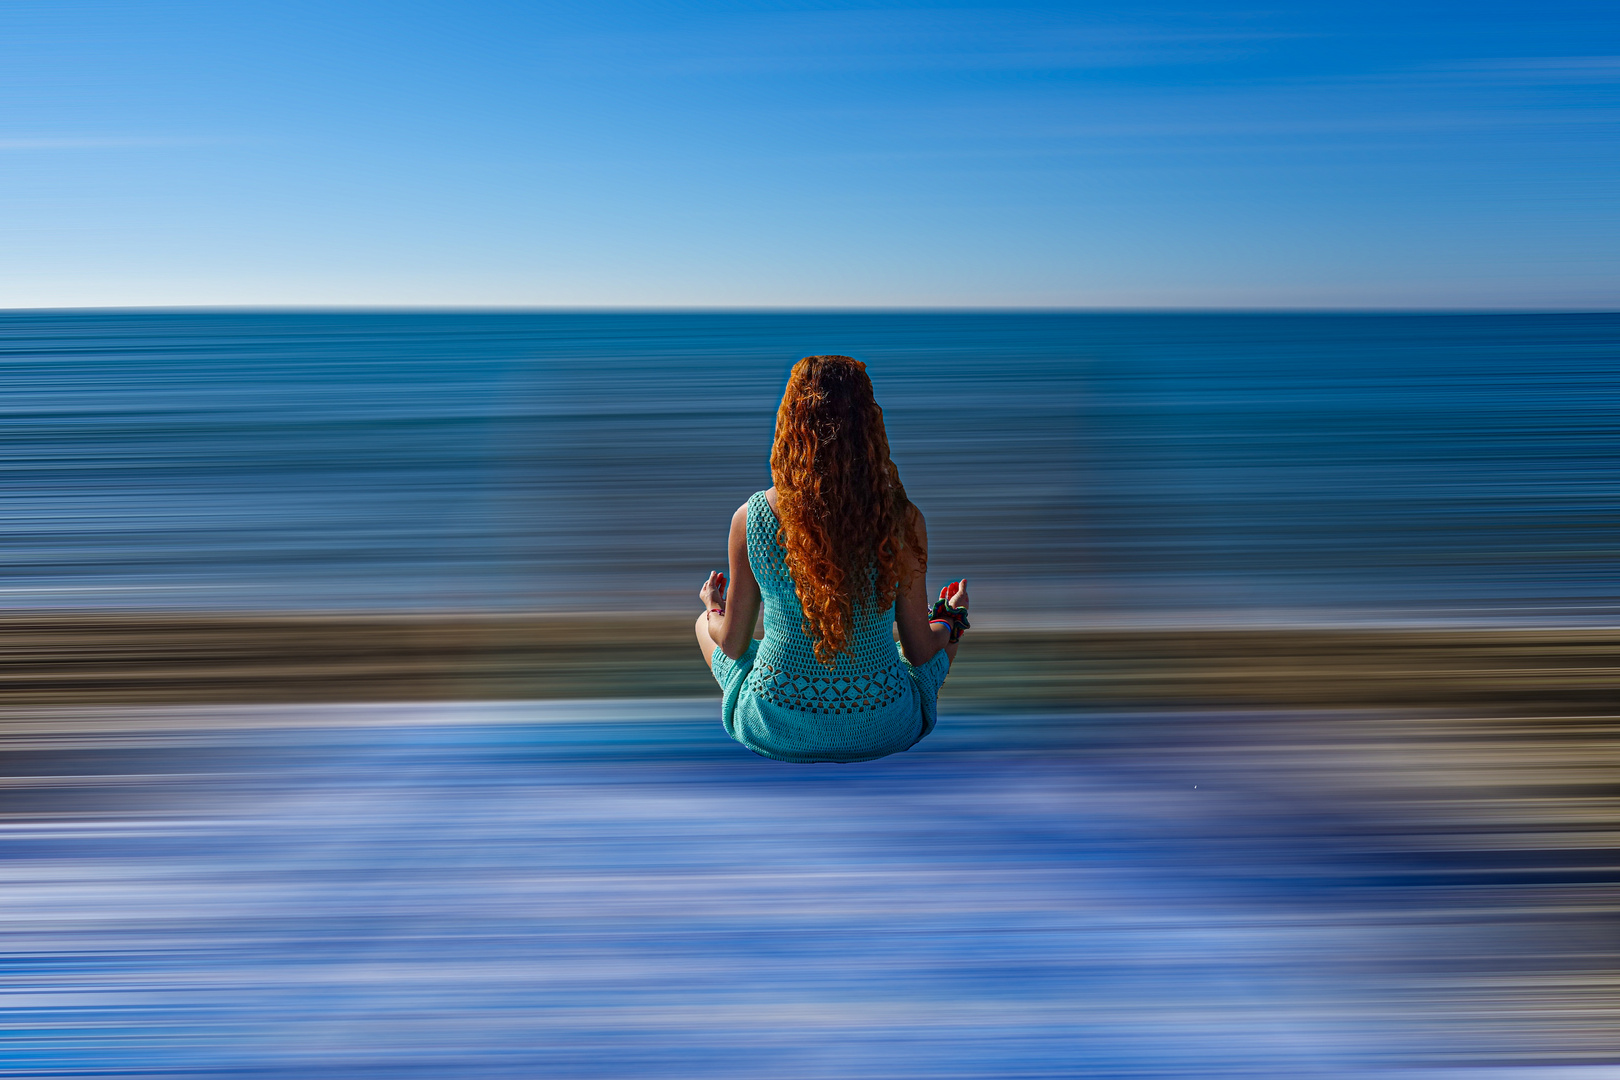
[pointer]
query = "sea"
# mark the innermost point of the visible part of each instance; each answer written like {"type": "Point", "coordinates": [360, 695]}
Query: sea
{"type": "Point", "coordinates": [1077, 468]}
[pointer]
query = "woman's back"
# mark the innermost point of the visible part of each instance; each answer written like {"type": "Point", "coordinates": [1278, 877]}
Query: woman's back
{"type": "Point", "coordinates": [868, 678]}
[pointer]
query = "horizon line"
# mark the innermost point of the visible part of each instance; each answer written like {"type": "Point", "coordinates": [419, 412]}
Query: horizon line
{"type": "Point", "coordinates": [831, 309]}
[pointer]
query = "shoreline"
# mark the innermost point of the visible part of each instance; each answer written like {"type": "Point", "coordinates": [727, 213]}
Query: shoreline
{"type": "Point", "coordinates": [110, 658]}
{"type": "Point", "coordinates": [1448, 778]}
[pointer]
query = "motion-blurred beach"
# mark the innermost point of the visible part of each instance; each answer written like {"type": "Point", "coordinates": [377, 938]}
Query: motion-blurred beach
{"type": "Point", "coordinates": [355, 727]}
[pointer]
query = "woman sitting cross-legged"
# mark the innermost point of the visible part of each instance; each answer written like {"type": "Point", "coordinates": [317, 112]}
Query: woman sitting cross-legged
{"type": "Point", "coordinates": [835, 554]}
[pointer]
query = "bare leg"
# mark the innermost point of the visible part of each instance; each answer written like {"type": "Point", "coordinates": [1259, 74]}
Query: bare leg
{"type": "Point", "coordinates": [705, 643]}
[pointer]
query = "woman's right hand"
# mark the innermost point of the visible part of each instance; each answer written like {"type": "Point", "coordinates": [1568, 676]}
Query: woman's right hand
{"type": "Point", "coordinates": [951, 611]}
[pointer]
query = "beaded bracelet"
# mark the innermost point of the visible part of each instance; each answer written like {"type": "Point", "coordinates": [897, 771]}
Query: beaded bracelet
{"type": "Point", "coordinates": [955, 616]}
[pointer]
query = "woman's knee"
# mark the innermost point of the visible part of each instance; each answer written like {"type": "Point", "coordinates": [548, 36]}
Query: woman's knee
{"type": "Point", "coordinates": [705, 642]}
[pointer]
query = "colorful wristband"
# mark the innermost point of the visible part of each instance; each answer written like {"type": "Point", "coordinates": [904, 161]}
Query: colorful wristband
{"type": "Point", "coordinates": [955, 616]}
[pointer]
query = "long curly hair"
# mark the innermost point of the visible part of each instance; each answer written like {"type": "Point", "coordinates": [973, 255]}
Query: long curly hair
{"type": "Point", "coordinates": [845, 516]}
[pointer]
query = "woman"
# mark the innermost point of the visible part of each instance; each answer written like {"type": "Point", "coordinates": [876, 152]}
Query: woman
{"type": "Point", "coordinates": [836, 554]}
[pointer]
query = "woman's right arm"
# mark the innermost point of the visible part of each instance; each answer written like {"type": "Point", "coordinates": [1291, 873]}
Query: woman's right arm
{"type": "Point", "coordinates": [920, 640]}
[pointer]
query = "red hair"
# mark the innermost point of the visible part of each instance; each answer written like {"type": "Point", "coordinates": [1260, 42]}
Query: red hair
{"type": "Point", "coordinates": [845, 516]}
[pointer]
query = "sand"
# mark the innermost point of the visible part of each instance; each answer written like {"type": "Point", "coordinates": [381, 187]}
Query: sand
{"type": "Point", "coordinates": [165, 658]}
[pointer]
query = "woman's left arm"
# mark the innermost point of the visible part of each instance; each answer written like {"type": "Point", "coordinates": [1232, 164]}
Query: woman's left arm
{"type": "Point", "coordinates": [732, 626]}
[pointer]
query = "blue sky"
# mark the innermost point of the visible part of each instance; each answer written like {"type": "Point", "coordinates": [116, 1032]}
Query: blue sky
{"type": "Point", "coordinates": [832, 154]}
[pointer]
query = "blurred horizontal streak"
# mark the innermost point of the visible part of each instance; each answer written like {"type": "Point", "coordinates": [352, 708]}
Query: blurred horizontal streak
{"type": "Point", "coordinates": [1088, 467]}
{"type": "Point", "coordinates": [127, 657]}
{"type": "Point", "coordinates": [612, 888]}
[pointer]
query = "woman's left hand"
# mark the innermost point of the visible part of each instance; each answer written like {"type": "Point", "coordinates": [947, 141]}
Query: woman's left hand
{"type": "Point", "coordinates": [713, 593]}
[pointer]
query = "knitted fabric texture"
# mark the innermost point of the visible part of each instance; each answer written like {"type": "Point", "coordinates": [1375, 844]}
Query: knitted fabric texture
{"type": "Point", "coordinates": [782, 702]}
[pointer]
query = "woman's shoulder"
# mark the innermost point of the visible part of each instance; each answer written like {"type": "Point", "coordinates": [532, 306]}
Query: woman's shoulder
{"type": "Point", "coordinates": [746, 512]}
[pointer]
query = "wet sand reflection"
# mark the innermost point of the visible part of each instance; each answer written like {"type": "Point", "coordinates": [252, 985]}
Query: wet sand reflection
{"type": "Point", "coordinates": [611, 889]}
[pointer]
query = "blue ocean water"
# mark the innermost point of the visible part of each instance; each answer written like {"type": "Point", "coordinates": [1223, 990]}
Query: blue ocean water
{"type": "Point", "coordinates": [1076, 467]}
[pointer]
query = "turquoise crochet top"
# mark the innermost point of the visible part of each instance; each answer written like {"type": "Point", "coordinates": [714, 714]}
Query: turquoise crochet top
{"type": "Point", "coordinates": [780, 701]}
